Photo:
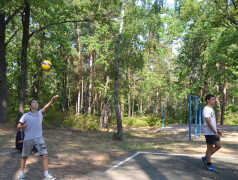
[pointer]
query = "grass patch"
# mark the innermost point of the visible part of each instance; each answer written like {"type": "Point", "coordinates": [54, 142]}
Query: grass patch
{"type": "Point", "coordinates": [142, 121]}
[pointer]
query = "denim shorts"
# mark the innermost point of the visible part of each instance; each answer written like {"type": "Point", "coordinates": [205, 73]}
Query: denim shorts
{"type": "Point", "coordinates": [39, 144]}
{"type": "Point", "coordinates": [211, 139]}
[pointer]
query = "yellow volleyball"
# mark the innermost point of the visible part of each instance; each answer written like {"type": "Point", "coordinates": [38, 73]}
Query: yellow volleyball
{"type": "Point", "coordinates": [46, 65]}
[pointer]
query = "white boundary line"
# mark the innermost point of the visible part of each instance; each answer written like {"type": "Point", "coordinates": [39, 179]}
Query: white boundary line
{"type": "Point", "coordinates": [122, 162]}
{"type": "Point", "coordinates": [167, 154]}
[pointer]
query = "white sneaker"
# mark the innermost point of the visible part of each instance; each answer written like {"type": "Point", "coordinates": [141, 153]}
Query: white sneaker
{"type": "Point", "coordinates": [49, 177]}
{"type": "Point", "coordinates": [21, 176]}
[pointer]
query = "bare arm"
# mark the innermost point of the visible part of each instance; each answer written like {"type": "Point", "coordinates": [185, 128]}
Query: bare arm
{"type": "Point", "coordinates": [211, 127]}
{"type": "Point", "coordinates": [21, 126]}
{"type": "Point", "coordinates": [49, 103]}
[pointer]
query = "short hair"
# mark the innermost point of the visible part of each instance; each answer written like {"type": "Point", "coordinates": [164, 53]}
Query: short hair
{"type": "Point", "coordinates": [31, 101]}
{"type": "Point", "coordinates": [208, 97]}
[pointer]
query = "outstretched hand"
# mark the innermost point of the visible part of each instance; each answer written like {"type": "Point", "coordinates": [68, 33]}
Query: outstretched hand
{"type": "Point", "coordinates": [49, 103]}
{"type": "Point", "coordinates": [54, 97]}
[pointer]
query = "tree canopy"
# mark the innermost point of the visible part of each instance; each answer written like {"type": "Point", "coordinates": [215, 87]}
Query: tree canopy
{"type": "Point", "coordinates": [118, 55]}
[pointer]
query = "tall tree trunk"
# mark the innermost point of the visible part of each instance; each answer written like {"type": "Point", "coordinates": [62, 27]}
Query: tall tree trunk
{"type": "Point", "coordinates": [223, 102]}
{"type": "Point", "coordinates": [133, 106]}
{"type": "Point", "coordinates": [64, 84]}
{"type": "Point", "coordinates": [23, 77]}
{"type": "Point", "coordinates": [122, 106]}
{"type": "Point", "coordinates": [3, 64]}
{"type": "Point", "coordinates": [95, 102]}
{"type": "Point", "coordinates": [105, 110]}
{"type": "Point", "coordinates": [91, 77]}
{"type": "Point", "coordinates": [79, 61]}
{"type": "Point", "coordinates": [82, 96]}
{"type": "Point", "coordinates": [116, 101]}
{"type": "Point", "coordinates": [3, 68]}
{"type": "Point", "coordinates": [171, 81]}
{"type": "Point", "coordinates": [160, 104]}
{"type": "Point", "coordinates": [78, 102]}
{"type": "Point", "coordinates": [218, 100]}
{"type": "Point", "coordinates": [141, 107]}
{"type": "Point", "coordinates": [157, 101]}
{"type": "Point", "coordinates": [129, 93]}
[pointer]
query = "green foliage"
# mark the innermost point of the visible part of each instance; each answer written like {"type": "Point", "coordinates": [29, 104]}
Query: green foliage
{"type": "Point", "coordinates": [231, 118]}
{"type": "Point", "coordinates": [154, 121]}
{"type": "Point", "coordinates": [134, 122]}
{"type": "Point", "coordinates": [141, 121]}
{"type": "Point", "coordinates": [53, 119]}
{"type": "Point", "coordinates": [81, 122]}
{"type": "Point", "coordinates": [207, 57]}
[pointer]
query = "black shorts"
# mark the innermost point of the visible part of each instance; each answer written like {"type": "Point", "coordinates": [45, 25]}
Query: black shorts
{"type": "Point", "coordinates": [211, 139]}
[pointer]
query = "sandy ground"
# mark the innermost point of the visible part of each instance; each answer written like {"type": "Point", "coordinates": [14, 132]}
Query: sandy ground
{"type": "Point", "coordinates": [73, 154]}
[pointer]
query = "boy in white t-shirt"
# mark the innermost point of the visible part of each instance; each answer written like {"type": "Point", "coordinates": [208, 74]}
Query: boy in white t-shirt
{"type": "Point", "coordinates": [211, 133]}
{"type": "Point", "coordinates": [31, 123]}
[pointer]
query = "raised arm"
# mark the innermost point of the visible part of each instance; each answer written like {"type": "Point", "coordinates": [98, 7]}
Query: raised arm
{"type": "Point", "coordinates": [49, 103]}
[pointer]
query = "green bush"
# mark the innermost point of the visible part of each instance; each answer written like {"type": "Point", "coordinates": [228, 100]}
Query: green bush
{"type": "Point", "coordinates": [231, 118]}
{"type": "Point", "coordinates": [154, 121]}
{"type": "Point", "coordinates": [134, 121]}
{"type": "Point", "coordinates": [141, 121]}
{"type": "Point", "coordinates": [81, 122]}
{"type": "Point", "coordinates": [53, 119]}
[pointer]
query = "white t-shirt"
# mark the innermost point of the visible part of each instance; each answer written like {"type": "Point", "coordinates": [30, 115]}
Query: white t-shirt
{"type": "Point", "coordinates": [208, 112]}
{"type": "Point", "coordinates": [34, 124]}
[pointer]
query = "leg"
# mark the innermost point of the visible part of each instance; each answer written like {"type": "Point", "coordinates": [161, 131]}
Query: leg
{"type": "Point", "coordinates": [23, 163]}
{"type": "Point", "coordinates": [209, 152]}
{"type": "Point", "coordinates": [217, 147]}
{"type": "Point", "coordinates": [45, 162]}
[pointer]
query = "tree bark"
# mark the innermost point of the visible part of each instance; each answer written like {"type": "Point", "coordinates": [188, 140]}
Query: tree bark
{"type": "Point", "coordinates": [133, 105]}
{"type": "Point", "coordinates": [91, 77]}
{"type": "Point", "coordinates": [223, 102]}
{"type": "Point", "coordinates": [141, 107]}
{"type": "Point", "coordinates": [82, 96]}
{"type": "Point", "coordinates": [78, 102]}
{"type": "Point", "coordinates": [105, 110]}
{"type": "Point", "coordinates": [157, 101]}
{"type": "Point", "coordinates": [171, 81]}
{"type": "Point", "coordinates": [3, 69]}
{"type": "Point", "coordinates": [116, 90]}
{"type": "Point", "coordinates": [64, 88]}
{"type": "Point", "coordinates": [79, 61]}
{"type": "Point", "coordinates": [23, 77]}
{"type": "Point", "coordinates": [122, 106]}
{"type": "Point", "coordinates": [129, 93]}
{"type": "Point", "coordinates": [218, 100]}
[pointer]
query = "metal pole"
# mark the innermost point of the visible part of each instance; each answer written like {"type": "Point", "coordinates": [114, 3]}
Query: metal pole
{"type": "Point", "coordinates": [163, 115]}
{"type": "Point", "coordinates": [200, 118]}
{"type": "Point", "coordinates": [190, 117]}
{"type": "Point", "coordinates": [196, 116]}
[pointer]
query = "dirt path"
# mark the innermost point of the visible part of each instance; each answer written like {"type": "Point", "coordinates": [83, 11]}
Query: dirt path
{"type": "Point", "coordinates": [75, 153]}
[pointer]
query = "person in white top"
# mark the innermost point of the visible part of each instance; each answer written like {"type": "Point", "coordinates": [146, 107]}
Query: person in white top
{"type": "Point", "coordinates": [31, 123]}
{"type": "Point", "coordinates": [211, 133]}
